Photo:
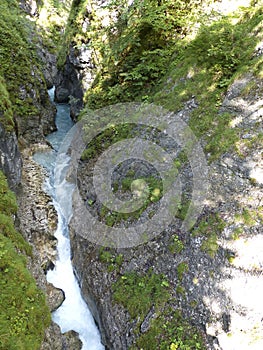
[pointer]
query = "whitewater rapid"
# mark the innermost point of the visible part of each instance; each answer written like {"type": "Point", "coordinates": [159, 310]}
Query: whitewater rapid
{"type": "Point", "coordinates": [73, 314]}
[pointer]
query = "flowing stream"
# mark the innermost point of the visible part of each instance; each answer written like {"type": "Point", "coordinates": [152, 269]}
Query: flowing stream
{"type": "Point", "coordinates": [73, 314]}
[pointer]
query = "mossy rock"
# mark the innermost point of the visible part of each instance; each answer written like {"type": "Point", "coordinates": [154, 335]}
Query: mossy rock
{"type": "Point", "coordinates": [24, 314]}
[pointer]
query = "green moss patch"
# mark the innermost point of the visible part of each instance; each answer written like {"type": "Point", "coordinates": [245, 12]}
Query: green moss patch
{"type": "Point", "coordinates": [170, 331]}
{"type": "Point", "coordinates": [18, 60]}
{"type": "Point", "coordinates": [176, 245]}
{"type": "Point", "coordinates": [6, 110]}
{"type": "Point", "coordinates": [23, 311]}
{"type": "Point", "coordinates": [138, 293]}
{"type": "Point", "coordinates": [210, 227]}
{"type": "Point", "coordinates": [113, 260]}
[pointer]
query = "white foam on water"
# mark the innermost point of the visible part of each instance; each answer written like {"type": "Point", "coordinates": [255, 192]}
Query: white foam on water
{"type": "Point", "coordinates": [73, 314]}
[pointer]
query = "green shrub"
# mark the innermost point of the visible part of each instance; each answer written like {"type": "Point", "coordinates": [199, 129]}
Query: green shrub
{"type": "Point", "coordinates": [170, 331]}
{"type": "Point", "coordinates": [207, 65]}
{"type": "Point", "coordinates": [133, 52]}
{"type": "Point", "coordinates": [113, 260]}
{"type": "Point", "coordinates": [51, 20]}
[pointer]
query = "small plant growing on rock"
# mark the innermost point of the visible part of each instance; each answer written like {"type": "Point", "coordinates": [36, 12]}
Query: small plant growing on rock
{"type": "Point", "coordinates": [176, 245]}
{"type": "Point", "coordinates": [138, 293]}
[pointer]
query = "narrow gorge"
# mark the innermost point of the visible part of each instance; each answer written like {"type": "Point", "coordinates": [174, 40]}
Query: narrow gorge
{"type": "Point", "coordinates": [73, 314]}
{"type": "Point", "coordinates": [132, 207]}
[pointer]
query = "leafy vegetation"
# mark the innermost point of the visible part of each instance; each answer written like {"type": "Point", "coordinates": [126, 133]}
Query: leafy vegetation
{"type": "Point", "coordinates": [154, 186]}
{"type": "Point", "coordinates": [136, 49]}
{"type": "Point", "coordinates": [243, 146]}
{"type": "Point", "coordinates": [74, 29]}
{"type": "Point", "coordinates": [23, 312]}
{"type": "Point", "coordinates": [138, 293]}
{"type": "Point", "coordinates": [131, 50]}
{"type": "Point", "coordinates": [111, 135]}
{"type": "Point", "coordinates": [176, 245]}
{"type": "Point", "coordinates": [6, 110]}
{"type": "Point", "coordinates": [114, 261]}
{"type": "Point", "coordinates": [210, 227]}
{"type": "Point", "coordinates": [245, 219]}
{"type": "Point", "coordinates": [170, 331]}
{"type": "Point", "coordinates": [181, 269]}
{"type": "Point", "coordinates": [205, 67]}
{"type": "Point", "coordinates": [148, 53]}
{"type": "Point", "coordinates": [17, 60]}
{"type": "Point", "coordinates": [249, 217]}
{"type": "Point", "coordinates": [51, 21]}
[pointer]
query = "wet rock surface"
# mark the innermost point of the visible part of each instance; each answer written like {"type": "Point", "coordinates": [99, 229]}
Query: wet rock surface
{"type": "Point", "coordinates": [56, 297]}
{"type": "Point", "coordinates": [55, 341]}
{"type": "Point", "coordinates": [223, 283]}
{"type": "Point", "coordinates": [71, 341]}
{"type": "Point", "coordinates": [75, 77]}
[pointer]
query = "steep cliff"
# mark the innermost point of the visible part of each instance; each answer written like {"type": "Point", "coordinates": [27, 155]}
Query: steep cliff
{"type": "Point", "coordinates": [181, 288]}
{"type": "Point", "coordinates": [79, 58]}
{"type": "Point", "coordinates": [24, 314]}
{"type": "Point", "coordinates": [31, 111]}
{"type": "Point", "coordinates": [26, 116]}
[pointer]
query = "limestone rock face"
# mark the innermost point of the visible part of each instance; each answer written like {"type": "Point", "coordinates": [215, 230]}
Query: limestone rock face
{"type": "Point", "coordinates": [82, 61]}
{"type": "Point", "coordinates": [10, 157]}
{"type": "Point", "coordinates": [32, 129]}
{"type": "Point", "coordinates": [113, 321]}
{"type": "Point", "coordinates": [56, 297]}
{"type": "Point", "coordinates": [74, 78]}
{"type": "Point", "coordinates": [212, 297]}
{"type": "Point", "coordinates": [54, 341]}
{"type": "Point", "coordinates": [71, 341]}
{"type": "Point", "coordinates": [37, 222]}
{"type": "Point", "coordinates": [49, 65]}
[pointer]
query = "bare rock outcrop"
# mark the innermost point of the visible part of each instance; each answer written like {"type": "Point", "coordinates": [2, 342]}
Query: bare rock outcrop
{"type": "Point", "coordinates": [55, 341]}
{"type": "Point", "coordinates": [10, 157]}
{"type": "Point", "coordinates": [74, 78]}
